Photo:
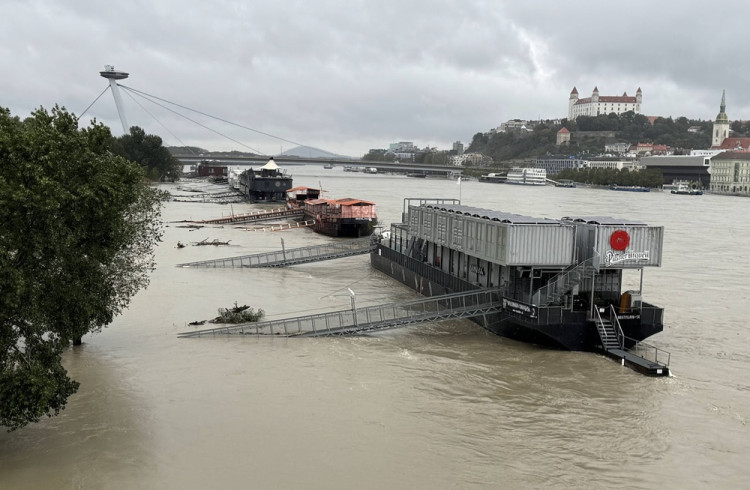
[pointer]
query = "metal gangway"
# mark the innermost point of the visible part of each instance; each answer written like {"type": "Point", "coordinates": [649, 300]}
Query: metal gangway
{"type": "Point", "coordinates": [251, 217]}
{"type": "Point", "coordinates": [216, 197]}
{"type": "Point", "coordinates": [370, 318]}
{"type": "Point", "coordinates": [284, 257]}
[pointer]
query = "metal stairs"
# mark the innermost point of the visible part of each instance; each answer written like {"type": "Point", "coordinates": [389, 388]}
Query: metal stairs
{"type": "Point", "coordinates": [640, 356]}
{"type": "Point", "coordinates": [608, 334]}
{"type": "Point", "coordinates": [563, 282]}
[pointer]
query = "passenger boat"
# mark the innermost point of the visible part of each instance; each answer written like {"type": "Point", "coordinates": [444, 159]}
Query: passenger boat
{"type": "Point", "coordinates": [560, 281]}
{"type": "Point", "coordinates": [687, 190]}
{"type": "Point", "coordinates": [494, 178]}
{"type": "Point", "coordinates": [328, 166]}
{"type": "Point", "coordinates": [565, 183]}
{"type": "Point", "coordinates": [527, 176]}
{"type": "Point", "coordinates": [347, 217]}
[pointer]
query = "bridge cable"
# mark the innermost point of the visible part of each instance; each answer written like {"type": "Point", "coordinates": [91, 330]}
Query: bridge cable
{"type": "Point", "coordinates": [158, 121]}
{"type": "Point", "coordinates": [94, 102]}
{"type": "Point", "coordinates": [146, 97]}
{"type": "Point", "coordinates": [220, 119]}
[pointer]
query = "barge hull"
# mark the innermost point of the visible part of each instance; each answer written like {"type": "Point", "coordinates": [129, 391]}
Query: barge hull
{"type": "Point", "coordinates": [549, 327]}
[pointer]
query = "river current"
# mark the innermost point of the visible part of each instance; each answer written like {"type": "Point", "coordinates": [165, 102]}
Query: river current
{"type": "Point", "coordinates": [442, 405]}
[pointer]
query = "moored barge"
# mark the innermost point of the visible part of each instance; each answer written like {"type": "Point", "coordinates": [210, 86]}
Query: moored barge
{"type": "Point", "coordinates": [346, 217]}
{"type": "Point", "coordinates": [560, 280]}
{"type": "Point", "coordinates": [269, 183]}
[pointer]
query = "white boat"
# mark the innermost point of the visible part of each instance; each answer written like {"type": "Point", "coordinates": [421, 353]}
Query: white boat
{"type": "Point", "coordinates": [527, 176]}
{"type": "Point", "coordinates": [687, 190]}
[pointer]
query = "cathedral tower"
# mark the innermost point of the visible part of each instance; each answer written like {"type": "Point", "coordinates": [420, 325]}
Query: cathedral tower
{"type": "Point", "coordinates": [721, 125]}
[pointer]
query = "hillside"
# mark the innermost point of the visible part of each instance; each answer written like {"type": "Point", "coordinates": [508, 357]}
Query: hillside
{"type": "Point", "coordinates": [590, 134]}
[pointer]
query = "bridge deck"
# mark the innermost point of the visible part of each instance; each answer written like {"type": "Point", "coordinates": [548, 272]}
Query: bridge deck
{"type": "Point", "coordinates": [370, 318]}
{"type": "Point", "coordinates": [302, 255]}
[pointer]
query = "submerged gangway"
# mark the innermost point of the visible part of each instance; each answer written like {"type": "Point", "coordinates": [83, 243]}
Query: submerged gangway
{"type": "Point", "coordinates": [292, 256]}
{"type": "Point", "coordinates": [255, 216]}
{"type": "Point", "coordinates": [370, 318]}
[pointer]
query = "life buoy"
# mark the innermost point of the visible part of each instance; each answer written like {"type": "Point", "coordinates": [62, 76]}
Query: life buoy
{"type": "Point", "coordinates": [619, 240]}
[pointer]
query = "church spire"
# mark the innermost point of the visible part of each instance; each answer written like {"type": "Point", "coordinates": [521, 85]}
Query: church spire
{"type": "Point", "coordinates": [722, 116]}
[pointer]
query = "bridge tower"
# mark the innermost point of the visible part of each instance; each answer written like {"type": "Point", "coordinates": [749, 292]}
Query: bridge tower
{"type": "Point", "coordinates": [110, 74]}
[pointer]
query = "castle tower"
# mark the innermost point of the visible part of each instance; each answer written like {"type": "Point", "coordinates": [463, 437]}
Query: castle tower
{"type": "Point", "coordinates": [638, 96]}
{"type": "Point", "coordinates": [571, 102]}
{"type": "Point", "coordinates": [110, 74]}
{"type": "Point", "coordinates": [721, 125]}
{"type": "Point", "coordinates": [595, 96]}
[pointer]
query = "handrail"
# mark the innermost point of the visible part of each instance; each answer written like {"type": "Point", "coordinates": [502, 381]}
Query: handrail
{"type": "Point", "coordinates": [543, 294]}
{"type": "Point", "coordinates": [603, 335]}
{"type": "Point", "coordinates": [455, 305]}
{"type": "Point", "coordinates": [638, 345]}
{"type": "Point", "coordinates": [616, 322]}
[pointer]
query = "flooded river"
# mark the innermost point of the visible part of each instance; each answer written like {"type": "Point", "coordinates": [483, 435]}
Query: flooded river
{"type": "Point", "coordinates": [443, 405]}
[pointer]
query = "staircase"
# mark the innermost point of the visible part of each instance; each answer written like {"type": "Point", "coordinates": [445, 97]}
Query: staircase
{"type": "Point", "coordinates": [607, 333]}
{"type": "Point", "coordinates": [554, 290]}
{"type": "Point", "coordinates": [641, 357]}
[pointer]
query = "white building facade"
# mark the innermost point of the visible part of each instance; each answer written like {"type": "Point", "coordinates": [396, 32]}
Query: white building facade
{"type": "Point", "coordinates": [730, 173]}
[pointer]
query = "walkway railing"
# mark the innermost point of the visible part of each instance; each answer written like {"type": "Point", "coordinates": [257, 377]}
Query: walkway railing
{"type": "Point", "coordinates": [370, 318]}
{"type": "Point", "coordinates": [280, 258]}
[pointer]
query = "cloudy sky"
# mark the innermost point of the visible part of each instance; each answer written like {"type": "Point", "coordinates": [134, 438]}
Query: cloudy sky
{"type": "Point", "coordinates": [347, 76]}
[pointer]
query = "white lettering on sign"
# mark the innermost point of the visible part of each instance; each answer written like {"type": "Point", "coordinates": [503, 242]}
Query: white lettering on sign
{"type": "Point", "coordinates": [613, 257]}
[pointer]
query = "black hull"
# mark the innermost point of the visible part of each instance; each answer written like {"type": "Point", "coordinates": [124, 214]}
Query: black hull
{"type": "Point", "coordinates": [345, 228]}
{"type": "Point", "coordinates": [551, 327]}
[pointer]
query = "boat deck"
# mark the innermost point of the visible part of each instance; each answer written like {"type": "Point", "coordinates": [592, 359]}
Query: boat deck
{"type": "Point", "coordinates": [640, 364]}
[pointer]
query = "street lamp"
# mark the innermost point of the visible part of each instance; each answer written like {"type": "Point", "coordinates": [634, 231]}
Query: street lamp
{"type": "Point", "coordinates": [354, 306]}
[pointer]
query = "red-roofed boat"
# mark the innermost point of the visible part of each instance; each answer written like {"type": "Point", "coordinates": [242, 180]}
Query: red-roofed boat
{"type": "Point", "coordinates": [346, 217]}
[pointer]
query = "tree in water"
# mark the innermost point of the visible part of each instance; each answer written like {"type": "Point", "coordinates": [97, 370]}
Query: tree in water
{"type": "Point", "coordinates": [78, 228]}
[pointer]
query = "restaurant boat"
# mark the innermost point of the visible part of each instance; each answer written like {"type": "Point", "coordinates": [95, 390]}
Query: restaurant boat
{"type": "Point", "coordinates": [267, 184]}
{"type": "Point", "coordinates": [347, 217]}
{"type": "Point", "coordinates": [526, 176]}
{"type": "Point", "coordinates": [561, 281]}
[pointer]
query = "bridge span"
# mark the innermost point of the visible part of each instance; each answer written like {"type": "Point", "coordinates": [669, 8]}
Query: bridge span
{"type": "Point", "coordinates": [245, 161]}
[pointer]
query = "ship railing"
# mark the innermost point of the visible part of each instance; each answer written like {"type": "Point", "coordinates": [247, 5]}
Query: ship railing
{"type": "Point", "coordinates": [650, 352]}
{"type": "Point", "coordinates": [638, 347]}
{"type": "Point", "coordinates": [563, 282]}
{"type": "Point", "coordinates": [432, 274]}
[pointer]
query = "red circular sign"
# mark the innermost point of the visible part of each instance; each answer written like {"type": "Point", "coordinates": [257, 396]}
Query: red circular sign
{"type": "Point", "coordinates": [619, 240]}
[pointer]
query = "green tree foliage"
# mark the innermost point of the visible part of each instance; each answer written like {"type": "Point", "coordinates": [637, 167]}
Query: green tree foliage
{"type": "Point", "coordinates": [378, 156]}
{"type": "Point", "coordinates": [147, 150]}
{"type": "Point", "coordinates": [78, 227]}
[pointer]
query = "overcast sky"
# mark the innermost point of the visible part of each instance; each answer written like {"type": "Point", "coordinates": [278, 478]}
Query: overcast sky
{"type": "Point", "coordinates": [347, 76]}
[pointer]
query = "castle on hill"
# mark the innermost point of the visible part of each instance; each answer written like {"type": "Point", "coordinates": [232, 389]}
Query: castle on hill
{"type": "Point", "coordinates": [603, 104]}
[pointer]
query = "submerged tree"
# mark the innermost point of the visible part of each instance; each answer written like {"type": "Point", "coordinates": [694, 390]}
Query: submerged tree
{"type": "Point", "coordinates": [78, 228]}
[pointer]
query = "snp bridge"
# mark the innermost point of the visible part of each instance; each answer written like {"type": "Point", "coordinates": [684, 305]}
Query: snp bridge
{"type": "Point", "coordinates": [292, 256]}
{"type": "Point", "coordinates": [371, 318]}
